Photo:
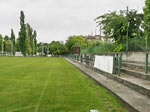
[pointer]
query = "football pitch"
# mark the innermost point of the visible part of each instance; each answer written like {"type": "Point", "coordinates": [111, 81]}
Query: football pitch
{"type": "Point", "coordinates": [38, 84]}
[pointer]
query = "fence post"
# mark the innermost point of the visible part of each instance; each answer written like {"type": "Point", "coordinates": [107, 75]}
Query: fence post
{"type": "Point", "coordinates": [81, 58]}
{"type": "Point", "coordinates": [77, 58]}
{"type": "Point", "coordinates": [146, 63]}
{"type": "Point", "coordinates": [114, 65]}
{"type": "Point", "coordinates": [87, 60]}
{"type": "Point", "coordinates": [119, 64]}
{"type": "Point", "coordinates": [121, 60]}
{"type": "Point", "coordinates": [74, 57]}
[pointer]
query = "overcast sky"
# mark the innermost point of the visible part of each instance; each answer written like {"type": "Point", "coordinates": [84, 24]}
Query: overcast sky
{"type": "Point", "coordinates": [58, 19]}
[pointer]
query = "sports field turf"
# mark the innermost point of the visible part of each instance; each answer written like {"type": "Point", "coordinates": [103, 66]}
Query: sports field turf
{"type": "Point", "coordinates": [50, 85]}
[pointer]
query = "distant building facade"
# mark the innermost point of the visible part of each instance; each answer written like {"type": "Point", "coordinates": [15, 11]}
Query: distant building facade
{"type": "Point", "coordinates": [96, 37]}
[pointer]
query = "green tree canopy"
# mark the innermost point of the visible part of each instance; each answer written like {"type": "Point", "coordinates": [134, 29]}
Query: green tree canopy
{"type": "Point", "coordinates": [147, 21]}
{"type": "Point", "coordinates": [12, 37]}
{"type": "Point", "coordinates": [115, 24]}
{"type": "Point", "coordinates": [79, 41]}
{"type": "Point", "coordinates": [22, 35]}
{"type": "Point", "coordinates": [56, 48]}
{"type": "Point", "coordinates": [1, 44]}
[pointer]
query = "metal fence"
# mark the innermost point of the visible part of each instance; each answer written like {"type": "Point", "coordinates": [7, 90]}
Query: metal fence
{"type": "Point", "coordinates": [89, 59]}
{"type": "Point", "coordinates": [133, 44]}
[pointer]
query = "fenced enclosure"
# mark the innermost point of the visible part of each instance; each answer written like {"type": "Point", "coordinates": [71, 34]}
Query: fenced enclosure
{"type": "Point", "coordinates": [118, 58]}
{"type": "Point", "coordinates": [89, 59]}
{"type": "Point", "coordinates": [138, 44]}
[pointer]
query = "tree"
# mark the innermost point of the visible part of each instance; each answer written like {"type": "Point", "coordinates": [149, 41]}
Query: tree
{"type": "Point", "coordinates": [13, 42]}
{"type": "Point", "coordinates": [29, 39]}
{"type": "Point", "coordinates": [119, 26]}
{"type": "Point", "coordinates": [6, 38]}
{"type": "Point", "coordinates": [43, 48]}
{"type": "Point", "coordinates": [34, 42]}
{"type": "Point", "coordinates": [17, 45]}
{"type": "Point", "coordinates": [79, 41]}
{"type": "Point", "coordinates": [115, 24]}
{"type": "Point", "coordinates": [22, 35]}
{"type": "Point", "coordinates": [1, 44]}
{"type": "Point", "coordinates": [9, 46]}
{"type": "Point", "coordinates": [56, 48]}
{"type": "Point", "coordinates": [147, 20]}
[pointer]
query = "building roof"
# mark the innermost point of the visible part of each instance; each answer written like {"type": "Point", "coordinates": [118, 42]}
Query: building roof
{"type": "Point", "coordinates": [94, 37]}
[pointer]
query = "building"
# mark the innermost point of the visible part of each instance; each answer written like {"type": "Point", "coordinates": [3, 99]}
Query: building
{"type": "Point", "coordinates": [96, 37]}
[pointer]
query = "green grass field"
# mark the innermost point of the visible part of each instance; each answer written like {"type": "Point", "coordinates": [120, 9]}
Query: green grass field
{"type": "Point", "coordinates": [50, 85]}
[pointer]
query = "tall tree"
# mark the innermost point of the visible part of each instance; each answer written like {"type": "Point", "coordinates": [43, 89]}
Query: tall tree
{"type": "Point", "coordinates": [56, 48]}
{"type": "Point", "coordinates": [35, 42]}
{"type": "Point", "coordinates": [13, 42]}
{"type": "Point", "coordinates": [1, 44]}
{"type": "Point", "coordinates": [8, 47]}
{"type": "Point", "coordinates": [79, 41]}
{"type": "Point", "coordinates": [147, 20]}
{"type": "Point", "coordinates": [29, 39]}
{"type": "Point", "coordinates": [6, 39]}
{"type": "Point", "coordinates": [22, 35]}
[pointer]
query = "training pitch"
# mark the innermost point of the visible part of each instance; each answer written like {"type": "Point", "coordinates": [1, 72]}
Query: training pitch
{"type": "Point", "coordinates": [29, 84]}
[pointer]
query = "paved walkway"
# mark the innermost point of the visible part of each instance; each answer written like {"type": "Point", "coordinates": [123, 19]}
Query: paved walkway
{"type": "Point", "coordinates": [135, 100]}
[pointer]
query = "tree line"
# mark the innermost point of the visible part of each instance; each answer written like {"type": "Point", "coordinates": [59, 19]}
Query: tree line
{"type": "Point", "coordinates": [125, 25]}
{"type": "Point", "coordinates": [26, 43]}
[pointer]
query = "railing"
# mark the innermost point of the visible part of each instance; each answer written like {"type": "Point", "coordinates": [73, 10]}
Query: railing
{"type": "Point", "coordinates": [88, 59]}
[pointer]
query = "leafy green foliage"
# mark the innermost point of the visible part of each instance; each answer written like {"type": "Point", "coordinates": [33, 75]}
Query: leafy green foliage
{"type": "Point", "coordinates": [115, 24]}
{"type": "Point", "coordinates": [118, 25]}
{"type": "Point", "coordinates": [79, 41]}
{"type": "Point", "coordinates": [9, 46]}
{"type": "Point", "coordinates": [31, 40]}
{"type": "Point", "coordinates": [99, 47]}
{"type": "Point", "coordinates": [56, 48]}
{"type": "Point", "coordinates": [27, 38]}
{"type": "Point", "coordinates": [12, 37]}
{"type": "Point", "coordinates": [147, 21]}
{"type": "Point", "coordinates": [22, 35]}
{"type": "Point", "coordinates": [1, 43]}
{"type": "Point", "coordinates": [43, 48]}
{"type": "Point", "coordinates": [34, 49]}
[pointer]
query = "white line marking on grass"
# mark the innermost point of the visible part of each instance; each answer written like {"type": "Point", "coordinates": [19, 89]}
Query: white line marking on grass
{"type": "Point", "coordinates": [27, 107]}
{"type": "Point", "coordinates": [43, 91]}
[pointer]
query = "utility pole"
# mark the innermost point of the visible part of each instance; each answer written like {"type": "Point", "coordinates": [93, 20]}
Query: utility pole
{"type": "Point", "coordinates": [100, 31]}
{"type": "Point", "coordinates": [127, 36]}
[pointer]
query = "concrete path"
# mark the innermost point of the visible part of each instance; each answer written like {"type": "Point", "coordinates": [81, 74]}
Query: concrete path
{"type": "Point", "coordinates": [136, 101]}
